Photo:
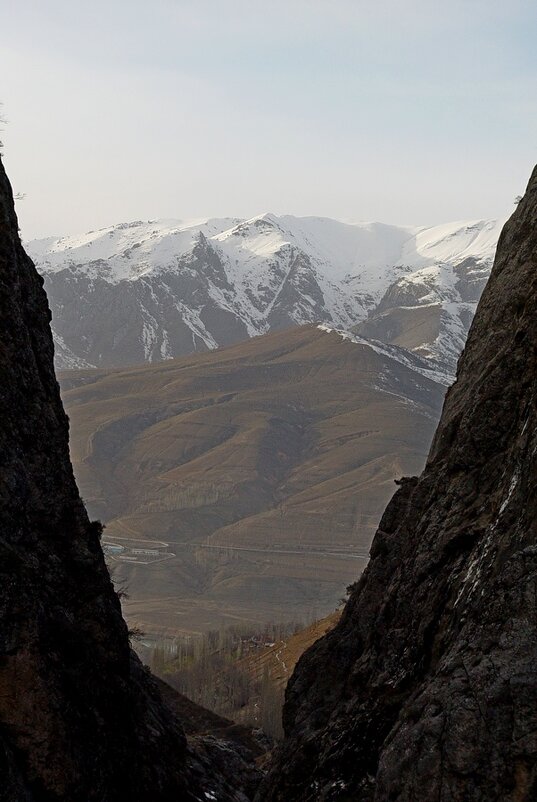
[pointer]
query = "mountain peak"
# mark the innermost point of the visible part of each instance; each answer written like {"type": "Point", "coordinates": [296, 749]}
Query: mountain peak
{"type": "Point", "coordinates": [161, 301]}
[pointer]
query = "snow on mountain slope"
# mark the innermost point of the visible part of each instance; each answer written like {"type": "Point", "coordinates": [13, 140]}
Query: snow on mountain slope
{"type": "Point", "coordinates": [126, 251]}
{"type": "Point", "coordinates": [457, 241]}
{"type": "Point", "coordinates": [146, 291]}
{"type": "Point", "coordinates": [425, 367]}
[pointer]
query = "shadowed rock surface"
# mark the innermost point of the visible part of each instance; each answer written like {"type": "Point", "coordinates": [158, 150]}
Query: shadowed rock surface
{"type": "Point", "coordinates": [427, 689]}
{"type": "Point", "coordinates": [80, 718]}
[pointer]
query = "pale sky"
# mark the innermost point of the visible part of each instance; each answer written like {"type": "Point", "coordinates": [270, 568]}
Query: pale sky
{"type": "Point", "coordinates": [413, 112]}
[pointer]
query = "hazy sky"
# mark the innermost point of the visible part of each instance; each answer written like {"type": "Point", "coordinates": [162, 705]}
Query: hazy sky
{"type": "Point", "coordinates": [405, 112]}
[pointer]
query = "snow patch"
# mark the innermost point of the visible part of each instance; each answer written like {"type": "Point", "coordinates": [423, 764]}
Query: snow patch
{"type": "Point", "coordinates": [401, 355]}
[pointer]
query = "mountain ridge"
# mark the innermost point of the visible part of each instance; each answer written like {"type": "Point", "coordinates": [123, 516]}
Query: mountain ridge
{"type": "Point", "coordinates": [140, 292]}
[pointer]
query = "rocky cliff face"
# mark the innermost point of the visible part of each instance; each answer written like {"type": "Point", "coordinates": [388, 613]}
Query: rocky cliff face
{"type": "Point", "coordinates": [427, 689]}
{"type": "Point", "coordinates": [80, 719]}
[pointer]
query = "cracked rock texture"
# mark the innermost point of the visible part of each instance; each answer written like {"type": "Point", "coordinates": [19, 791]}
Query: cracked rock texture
{"type": "Point", "coordinates": [80, 718]}
{"type": "Point", "coordinates": [427, 689]}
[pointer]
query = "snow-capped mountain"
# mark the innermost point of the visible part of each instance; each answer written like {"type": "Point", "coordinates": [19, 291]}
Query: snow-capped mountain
{"type": "Point", "coordinates": [146, 291]}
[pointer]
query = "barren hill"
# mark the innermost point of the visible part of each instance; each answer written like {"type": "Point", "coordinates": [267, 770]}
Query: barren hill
{"type": "Point", "coordinates": [279, 660]}
{"type": "Point", "coordinates": [246, 484]}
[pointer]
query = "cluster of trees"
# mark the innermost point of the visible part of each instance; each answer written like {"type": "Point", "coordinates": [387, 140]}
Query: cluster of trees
{"type": "Point", "coordinates": [214, 671]}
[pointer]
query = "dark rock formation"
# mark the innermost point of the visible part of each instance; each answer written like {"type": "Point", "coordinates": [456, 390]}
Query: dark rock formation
{"type": "Point", "coordinates": [427, 689]}
{"type": "Point", "coordinates": [80, 718]}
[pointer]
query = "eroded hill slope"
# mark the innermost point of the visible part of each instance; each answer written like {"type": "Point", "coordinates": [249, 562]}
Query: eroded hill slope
{"type": "Point", "coordinates": [245, 484]}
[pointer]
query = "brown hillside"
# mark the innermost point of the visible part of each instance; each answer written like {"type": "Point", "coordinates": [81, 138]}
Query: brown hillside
{"type": "Point", "coordinates": [281, 658]}
{"type": "Point", "coordinates": [245, 484]}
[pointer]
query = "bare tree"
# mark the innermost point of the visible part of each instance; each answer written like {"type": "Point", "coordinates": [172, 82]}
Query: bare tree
{"type": "Point", "coordinates": [3, 121]}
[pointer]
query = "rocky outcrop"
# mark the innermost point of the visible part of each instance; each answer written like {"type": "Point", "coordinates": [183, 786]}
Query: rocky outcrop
{"type": "Point", "coordinates": [80, 718]}
{"type": "Point", "coordinates": [427, 689]}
